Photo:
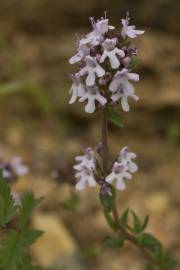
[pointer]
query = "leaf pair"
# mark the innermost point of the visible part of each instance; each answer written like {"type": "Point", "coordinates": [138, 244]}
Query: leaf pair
{"type": "Point", "coordinates": [137, 226]}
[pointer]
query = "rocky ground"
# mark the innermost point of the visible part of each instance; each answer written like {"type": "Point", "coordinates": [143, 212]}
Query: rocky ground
{"type": "Point", "coordinates": [49, 135]}
{"type": "Point", "coordinates": [37, 124]}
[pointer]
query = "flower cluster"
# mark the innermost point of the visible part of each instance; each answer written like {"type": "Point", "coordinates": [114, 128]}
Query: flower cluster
{"type": "Point", "coordinates": [122, 169]}
{"type": "Point", "coordinates": [85, 170]}
{"type": "Point", "coordinates": [88, 175]}
{"type": "Point", "coordinates": [104, 75]}
{"type": "Point", "coordinates": [13, 169]}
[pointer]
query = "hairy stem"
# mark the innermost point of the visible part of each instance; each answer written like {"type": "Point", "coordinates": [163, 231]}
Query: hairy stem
{"type": "Point", "coordinates": [121, 229]}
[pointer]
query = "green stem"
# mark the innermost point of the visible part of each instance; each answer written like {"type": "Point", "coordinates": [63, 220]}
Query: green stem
{"type": "Point", "coordinates": [121, 229]}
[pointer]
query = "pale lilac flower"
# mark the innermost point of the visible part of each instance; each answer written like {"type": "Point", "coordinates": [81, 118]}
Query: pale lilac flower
{"type": "Point", "coordinates": [119, 174]}
{"type": "Point", "coordinates": [111, 52]}
{"type": "Point", "coordinates": [97, 35]}
{"type": "Point", "coordinates": [122, 169]}
{"type": "Point", "coordinates": [85, 178]}
{"type": "Point", "coordinates": [85, 170]}
{"type": "Point", "coordinates": [122, 88]}
{"type": "Point", "coordinates": [92, 70]}
{"type": "Point", "coordinates": [129, 30]}
{"type": "Point", "coordinates": [92, 95]}
{"type": "Point", "coordinates": [6, 170]}
{"type": "Point", "coordinates": [18, 167]}
{"type": "Point", "coordinates": [83, 51]}
{"type": "Point", "coordinates": [77, 89]}
{"type": "Point", "coordinates": [125, 157]}
{"type": "Point", "coordinates": [13, 169]}
{"type": "Point", "coordinates": [87, 160]}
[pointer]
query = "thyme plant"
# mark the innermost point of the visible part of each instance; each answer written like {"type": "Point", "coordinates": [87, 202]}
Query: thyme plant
{"type": "Point", "coordinates": [105, 61]}
{"type": "Point", "coordinates": [106, 58]}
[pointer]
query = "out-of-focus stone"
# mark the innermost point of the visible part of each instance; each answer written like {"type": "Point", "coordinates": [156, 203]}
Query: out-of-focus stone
{"type": "Point", "coordinates": [157, 202]}
{"type": "Point", "coordinates": [41, 187]}
{"type": "Point", "coordinates": [56, 247]}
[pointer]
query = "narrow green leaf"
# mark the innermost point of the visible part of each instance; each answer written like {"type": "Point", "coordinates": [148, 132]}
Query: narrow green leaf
{"type": "Point", "coordinates": [107, 201]}
{"type": "Point", "coordinates": [124, 217]}
{"type": "Point", "coordinates": [110, 220]}
{"type": "Point", "coordinates": [145, 223]}
{"type": "Point", "coordinates": [115, 242]}
{"type": "Point", "coordinates": [28, 203]}
{"type": "Point", "coordinates": [113, 117]}
{"type": "Point", "coordinates": [134, 63]}
{"type": "Point", "coordinates": [7, 204]}
{"type": "Point", "coordinates": [149, 241]}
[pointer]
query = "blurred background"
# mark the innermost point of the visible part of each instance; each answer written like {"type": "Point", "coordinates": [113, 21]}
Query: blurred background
{"type": "Point", "coordinates": [37, 37]}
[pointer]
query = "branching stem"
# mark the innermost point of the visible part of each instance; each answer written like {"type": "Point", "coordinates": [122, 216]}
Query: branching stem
{"type": "Point", "coordinates": [121, 229]}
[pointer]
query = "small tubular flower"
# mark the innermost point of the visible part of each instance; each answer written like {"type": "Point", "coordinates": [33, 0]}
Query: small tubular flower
{"type": "Point", "coordinates": [119, 174]}
{"type": "Point", "coordinates": [92, 70]}
{"type": "Point", "coordinates": [126, 158]}
{"type": "Point", "coordinates": [85, 170]}
{"type": "Point", "coordinates": [13, 169]}
{"type": "Point", "coordinates": [129, 30]}
{"type": "Point", "coordinates": [87, 160]}
{"type": "Point", "coordinates": [122, 88]}
{"type": "Point", "coordinates": [83, 51]}
{"type": "Point", "coordinates": [77, 89]}
{"type": "Point", "coordinates": [92, 95]}
{"type": "Point", "coordinates": [111, 52]}
{"type": "Point", "coordinates": [95, 37]}
{"type": "Point", "coordinates": [122, 169]}
{"type": "Point", "coordinates": [19, 168]}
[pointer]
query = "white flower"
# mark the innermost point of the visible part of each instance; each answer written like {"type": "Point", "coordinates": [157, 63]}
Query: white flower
{"type": "Point", "coordinates": [85, 170]}
{"type": "Point", "coordinates": [95, 37]}
{"type": "Point", "coordinates": [77, 89]}
{"type": "Point", "coordinates": [18, 167]}
{"type": "Point", "coordinates": [125, 157]}
{"type": "Point", "coordinates": [7, 174]}
{"type": "Point", "coordinates": [111, 52]}
{"type": "Point", "coordinates": [85, 178]}
{"type": "Point", "coordinates": [92, 96]}
{"type": "Point", "coordinates": [92, 70]}
{"type": "Point", "coordinates": [119, 174]}
{"type": "Point", "coordinates": [129, 30]}
{"type": "Point", "coordinates": [83, 51]}
{"type": "Point", "coordinates": [87, 160]}
{"type": "Point", "coordinates": [122, 88]}
{"type": "Point", "coordinates": [122, 169]}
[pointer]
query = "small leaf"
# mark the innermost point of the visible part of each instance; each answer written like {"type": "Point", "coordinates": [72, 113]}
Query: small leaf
{"type": "Point", "coordinates": [134, 63]}
{"type": "Point", "coordinates": [137, 226]}
{"type": "Point", "coordinates": [144, 225]}
{"type": "Point", "coordinates": [28, 203]}
{"type": "Point", "coordinates": [124, 217]}
{"type": "Point", "coordinates": [113, 117]}
{"type": "Point", "coordinates": [149, 241]}
{"type": "Point", "coordinates": [116, 242]}
{"type": "Point", "coordinates": [7, 204]}
{"type": "Point", "coordinates": [107, 201]}
{"type": "Point", "coordinates": [110, 220]}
